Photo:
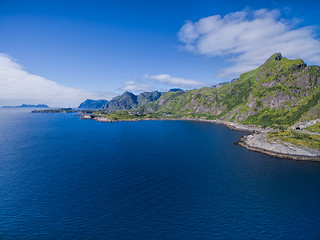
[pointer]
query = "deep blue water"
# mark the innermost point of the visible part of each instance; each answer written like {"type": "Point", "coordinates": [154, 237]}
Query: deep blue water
{"type": "Point", "coordinates": [66, 178]}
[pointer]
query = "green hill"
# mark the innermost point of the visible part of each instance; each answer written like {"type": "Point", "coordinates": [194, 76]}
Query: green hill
{"type": "Point", "coordinates": [278, 93]}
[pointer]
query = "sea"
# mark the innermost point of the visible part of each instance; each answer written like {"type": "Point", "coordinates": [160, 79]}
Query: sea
{"type": "Point", "coordinates": [66, 178]}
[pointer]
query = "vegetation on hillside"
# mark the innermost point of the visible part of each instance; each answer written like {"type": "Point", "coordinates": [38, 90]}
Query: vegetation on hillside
{"type": "Point", "coordinates": [297, 138]}
{"type": "Point", "coordinates": [277, 94]}
{"type": "Point", "coordinates": [314, 128]}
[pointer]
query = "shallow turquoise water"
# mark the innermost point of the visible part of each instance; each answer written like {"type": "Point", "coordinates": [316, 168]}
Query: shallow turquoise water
{"type": "Point", "coordinates": [66, 178]}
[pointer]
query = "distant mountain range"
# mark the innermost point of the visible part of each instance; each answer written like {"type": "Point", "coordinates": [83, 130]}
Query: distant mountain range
{"type": "Point", "coordinates": [279, 92]}
{"type": "Point", "coordinates": [126, 101]}
{"type": "Point", "coordinates": [28, 106]}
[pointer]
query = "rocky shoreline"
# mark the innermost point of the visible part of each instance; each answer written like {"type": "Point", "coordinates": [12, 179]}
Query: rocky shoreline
{"type": "Point", "coordinates": [231, 125]}
{"type": "Point", "coordinates": [259, 142]}
{"type": "Point", "coordinates": [256, 141]}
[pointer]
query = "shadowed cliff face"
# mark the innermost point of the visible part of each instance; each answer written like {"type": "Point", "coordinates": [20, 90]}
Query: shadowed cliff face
{"type": "Point", "coordinates": [126, 101]}
{"type": "Point", "coordinates": [93, 104]}
{"type": "Point", "coordinates": [146, 97]}
{"type": "Point", "coordinates": [279, 92]}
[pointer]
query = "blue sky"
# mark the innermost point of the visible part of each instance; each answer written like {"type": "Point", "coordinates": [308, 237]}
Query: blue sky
{"type": "Point", "coordinates": [96, 49]}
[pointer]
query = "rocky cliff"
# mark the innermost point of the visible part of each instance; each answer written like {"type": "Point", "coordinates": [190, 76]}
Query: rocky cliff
{"type": "Point", "coordinates": [279, 92]}
{"type": "Point", "coordinates": [128, 101]}
{"type": "Point", "coordinates": [93, 104]}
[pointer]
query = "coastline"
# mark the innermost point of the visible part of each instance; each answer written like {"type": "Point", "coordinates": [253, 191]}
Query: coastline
{"type": "Point", "coordinates": [231, 125]}
{"type": "Point", "coordinates": [256, 141]}
{"type": "Point", "coordinates": [259, 143]}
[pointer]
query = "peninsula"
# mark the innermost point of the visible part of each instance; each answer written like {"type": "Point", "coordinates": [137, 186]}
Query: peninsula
{"type": "Point", "coordinates": [279, 101]}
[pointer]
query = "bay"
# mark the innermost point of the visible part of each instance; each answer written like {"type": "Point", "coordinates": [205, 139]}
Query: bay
{"type": "Point", "coordinates": [66, 178]}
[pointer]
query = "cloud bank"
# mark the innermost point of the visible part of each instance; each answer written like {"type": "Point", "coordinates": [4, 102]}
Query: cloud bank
{"type": "Point", "coordinates": [17, 86]}
{"type": "Point", "coordinates": [160, 82]}
{"type": "Point", "coordinates": [175, 81]}
{"type": "Point", "coordinates": [132, 86]}
{"type": "Point", "coordinates": [248, 38]}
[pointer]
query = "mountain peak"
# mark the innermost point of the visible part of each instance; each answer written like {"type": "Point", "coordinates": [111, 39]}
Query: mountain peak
{"type": "Point", "coordinates": [127, 93]}
{"type": "Point", "coordinates": [275, 57]}
{"type": "Point", "coordinates": [93, 104]}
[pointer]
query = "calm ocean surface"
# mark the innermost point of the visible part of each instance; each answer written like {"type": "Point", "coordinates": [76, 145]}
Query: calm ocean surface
{"type": "Point", "coordinates": [66, 178]}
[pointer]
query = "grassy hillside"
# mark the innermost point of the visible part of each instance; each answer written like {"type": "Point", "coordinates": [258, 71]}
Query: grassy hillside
{"type": "Point", "coordinates": [278, 93]}
{"type": "Point", "coordinates": [297, 138]}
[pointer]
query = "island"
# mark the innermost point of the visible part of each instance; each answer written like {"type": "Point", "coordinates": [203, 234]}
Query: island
{"type": "Point", "coordinates": [28, 106]}
{"type": "Point", "coordinates": [279, 103]}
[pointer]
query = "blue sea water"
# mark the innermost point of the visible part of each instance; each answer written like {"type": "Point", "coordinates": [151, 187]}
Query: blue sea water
{"type": "Point", "coordinates": [66, 178]}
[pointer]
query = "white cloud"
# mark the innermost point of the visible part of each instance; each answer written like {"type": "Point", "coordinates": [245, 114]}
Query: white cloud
{"type": "Point", "coordinates": [17, 86]}
{"type": "Point", "coordinates": [132, 86]}
{"type": "Point", "coordinates": [248, 38]}
{"type": "Point", "coordinates": [174, 81]}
